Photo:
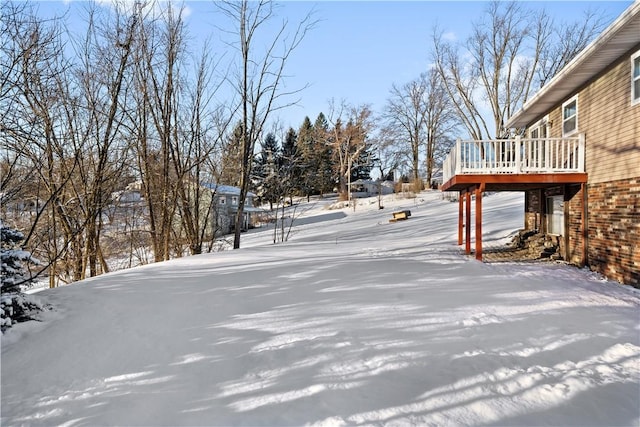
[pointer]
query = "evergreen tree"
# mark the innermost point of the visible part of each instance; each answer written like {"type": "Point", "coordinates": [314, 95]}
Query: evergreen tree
{"type": "Point", "coordinates": [325, 176]}
{"type": "Point", "coordinates": [290, 169]}
{"type": "Point", "coordinates": [364, 161]}
{"type": "Point", "coordinates": [229, 173]}
{"type": "Point", "coordinates": [289, 146]}
{"type": "Point", "coordinates": [14, 305]}
{"type": "Point", "coordinates": [361, 167]}
{"type": "Point", "coordinates": [267, 177]}
{"type": "Point", "coordinates": [306, 149]}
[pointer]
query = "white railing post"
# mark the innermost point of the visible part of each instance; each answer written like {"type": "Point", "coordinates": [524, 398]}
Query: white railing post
{"type": "Point", "coordinates": [547, 155]}
{"type": "Point", "coordinates": [581, 152]}
{"type": "Point", "coordinates": [458, 155]}
{"type": "Point", "coordinates": [518, 166]}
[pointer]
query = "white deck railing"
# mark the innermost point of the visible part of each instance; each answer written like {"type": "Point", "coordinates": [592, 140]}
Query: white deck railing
{"type": "Point", "coordinates": [515, 156]}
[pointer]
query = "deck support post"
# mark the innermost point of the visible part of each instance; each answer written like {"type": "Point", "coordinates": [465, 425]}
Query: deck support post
{"type": "Point", "coordinates": [585, 225]}
{"type": "Point", "coordinates": [467, 222]}
{"type": "Point", "coordinates": [479, 191]}
{"type": "Point", "coordinates": [460, 217]}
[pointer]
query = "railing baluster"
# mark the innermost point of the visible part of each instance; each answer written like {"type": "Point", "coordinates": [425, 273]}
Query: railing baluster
{"type": "Point", "coordinates": [517, 165]}
{"type": "Point", "coordinates": [581, 152]}
{"type": "Point", "coordinates": [518, 155]}
{"type": "Point", "coordinates": [458, 156]}
{"type": "Point", "coordinates": [547, 158]}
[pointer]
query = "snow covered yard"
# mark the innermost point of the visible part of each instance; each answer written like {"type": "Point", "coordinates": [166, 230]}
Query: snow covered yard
{"type": "Point", "coordinates": [354, 321]}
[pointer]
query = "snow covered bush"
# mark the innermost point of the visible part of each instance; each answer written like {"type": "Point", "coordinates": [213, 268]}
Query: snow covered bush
{"type": "Point", "coordinates": [17, 307]}
{"type": "Point", "coordinates": [14, 305]}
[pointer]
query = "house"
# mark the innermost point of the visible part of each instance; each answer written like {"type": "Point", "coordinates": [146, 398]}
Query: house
{"type": "Point", "coordinates": [127, 207]}
{"type": "Point", "coordinates": [367, 187]}
{"type": "Point", "coordinates": [131, 194]}
{"type": "Point", "coordinates": [577, 159]}
{"type": "Point", "coordinates": [225, 204]}
{"type": "Point", "coordinates": [436, 179]}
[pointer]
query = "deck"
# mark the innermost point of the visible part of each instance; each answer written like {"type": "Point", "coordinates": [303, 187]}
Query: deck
{"type": "Point", "coordinates": [517, 164]}
{"type": "Point", "coordinates": [514, 164]}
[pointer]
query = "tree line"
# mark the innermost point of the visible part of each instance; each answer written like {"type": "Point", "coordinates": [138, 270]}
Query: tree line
{"type": "Point", "coordinates": [127, 102]}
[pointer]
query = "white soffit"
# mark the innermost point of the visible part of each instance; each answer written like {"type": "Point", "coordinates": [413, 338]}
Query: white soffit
{"type": "Point", "coordinates": [622, 35]}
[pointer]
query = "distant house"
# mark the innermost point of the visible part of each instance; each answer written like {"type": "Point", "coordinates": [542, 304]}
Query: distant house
{"type": "Point", "coordinates": [436, 179]}
{"type": "Point", "coordinates": [578, 160]}
{"type": "Point", "coordinates": [128, 204]}
{"type": "Point", "coordinates": [131, 194]}
{"type": "Point", "coordinates": [225, 205]}
{"type": "Point", "coordinates": [366, 187]}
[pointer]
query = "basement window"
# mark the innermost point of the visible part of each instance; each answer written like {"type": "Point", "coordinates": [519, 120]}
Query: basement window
{"type": "Point", "coordinates": [635, 78]}
{"type": "Point", "coordinates": [555, 215]}
{"type": "Point", "coordinates": [570, 116]}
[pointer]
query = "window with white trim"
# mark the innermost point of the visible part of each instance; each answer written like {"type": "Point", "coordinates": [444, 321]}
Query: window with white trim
{"type": "Point", "coordinates": [234, 200]}
{"type": "Point", "coordinates": [539, 129]}
{"type": "Point", "coordinates": [222, 200]}
{"type": "Point", "coordinates": [635, 78]}
{"type": "Point", "coordinates": [570, 116]}
{"type": "Point", "coordinates": [536, 151]}
{"type": "Point", "coordinates": [534, 133]}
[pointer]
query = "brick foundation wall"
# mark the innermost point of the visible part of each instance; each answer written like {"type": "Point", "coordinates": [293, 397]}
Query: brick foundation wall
{"type": "Point", "coordinates": [530, 221]}
{"type": "Point", "coordinates": [532, 210]}
{"type": "Point", "coordinates": [575, 200]}
{"type": "Point", "coordinates": [614, 229]}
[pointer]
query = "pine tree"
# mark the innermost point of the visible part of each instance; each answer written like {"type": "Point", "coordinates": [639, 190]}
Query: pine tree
{"type": "Point", "coordinates": [14, 306]}
{"type": "Point", "coordinates": [307, 157]}
{"type": "Point", "coordinates": [267, 177]}
{"type": "Point", "coordinates": [290, 162]}
{"type": "Point", "coordinates": [364, 161]}
{"type": "Point", "coordinates": [325, 177]}
{"type": "Point", "coordinates": [289, 146]}
{"type": "Point", "coordinates": [229, 173]}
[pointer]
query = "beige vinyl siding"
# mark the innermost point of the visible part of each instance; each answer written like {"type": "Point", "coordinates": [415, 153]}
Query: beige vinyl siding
{"type": "Point", "coordinates": [555, 117]}
{"type": "Point", "coordinates": [610, 123]}
{"type": "Point", "coordinates": [611, 126]}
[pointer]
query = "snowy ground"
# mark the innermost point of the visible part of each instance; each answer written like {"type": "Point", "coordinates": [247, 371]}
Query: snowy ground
{"type": "Point", "coordinates": [354, 321]}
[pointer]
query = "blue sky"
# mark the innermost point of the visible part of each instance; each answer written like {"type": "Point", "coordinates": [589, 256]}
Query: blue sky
{"type": "Point", "coordinates": [360, 48]}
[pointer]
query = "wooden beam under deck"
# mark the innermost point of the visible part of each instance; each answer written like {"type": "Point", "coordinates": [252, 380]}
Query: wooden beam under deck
{"type": "Point", "coordinates": [467, 223]}
{"type": "Point", "coordinates": [479, 191]}
{"type": "Point", "coordinates": [512, 182]}
{"type": "Point", "coordinates": [460, 219]}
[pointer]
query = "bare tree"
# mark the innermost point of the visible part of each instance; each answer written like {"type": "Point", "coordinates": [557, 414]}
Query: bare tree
{"type": "Point", "coordinates": [561, 42]}
{"type": "Point", "coordinates": [158, 55]}
{"type": "Point", "coordinates": [75, 112]}
{"type": "Point", "coordinates": [35, 126]}
{"type": "Point", "coordinates": [259, 79]}
{"type": "Point", "coordinates": [179, 135]}
{"type": "Point", "coordinates": [421, 113]}
{"type": "Point", "coordinates": [200, 141]}
{"type": "Point", "coordinates": [406, 114]}
{"type": "Point", "coordinates": [440, 122]}
{"type": "Point", "coordinates": [12, 157]}
{"type": "Point", "coordinates": [391, 154]}
{"type": "Point", "coordinates": [351, 127]}
{"type": "Point", "coordinates": [105, 56]}
{"type": "Point", "coordinates": [510, 49]}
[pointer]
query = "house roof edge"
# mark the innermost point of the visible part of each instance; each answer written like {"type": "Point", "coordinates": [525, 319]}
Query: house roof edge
{"type": "Point", "coordinates": [614, 41]}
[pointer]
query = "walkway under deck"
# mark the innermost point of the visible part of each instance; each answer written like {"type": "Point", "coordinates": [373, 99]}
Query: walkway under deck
{"type": "Point", "coordinates": [473, 167]}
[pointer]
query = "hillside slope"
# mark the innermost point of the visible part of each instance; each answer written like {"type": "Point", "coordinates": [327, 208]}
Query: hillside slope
{"type": "Point", "coordinates": [354, 321]}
